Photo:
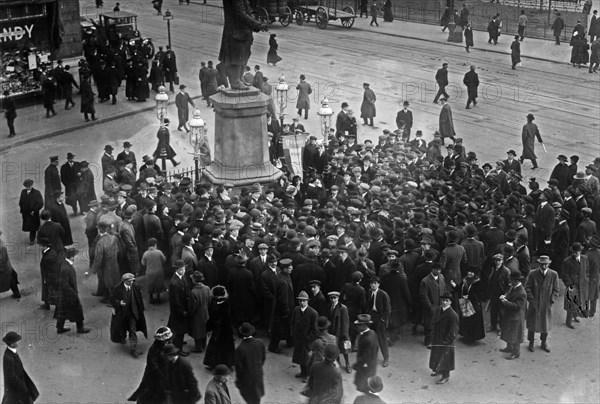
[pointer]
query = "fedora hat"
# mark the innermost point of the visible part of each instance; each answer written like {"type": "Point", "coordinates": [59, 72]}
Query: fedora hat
{"type": "Point", "coordinates": [579, 176]}
{"type": "Point", "coordinates": [221, 370]}
{"type": "Point", "coordinates": [331, 352]}
{"type": "Point", "coordinates": [375, 384]}
{"type": "Point", "coordinates": [363, 319]}
{"type": "Point", "coordinates": [302, 296]}
{"type": "Point", "coordinates": [594, 241]}
{"type": "Point", "coordinates": [246, 330]}
{"type": "Point", "coordinates": [11, 337]}
{"type": "Point", "coordinates": [323, 323]}
{"type": "Point", "coordinates": [446, 296]}
{"type": "Point", "coordinates": [576, 247]}
{"type": "Point", "coordinates": [516, 275]}
{"type": "Point", "coordinates": [544, 259]}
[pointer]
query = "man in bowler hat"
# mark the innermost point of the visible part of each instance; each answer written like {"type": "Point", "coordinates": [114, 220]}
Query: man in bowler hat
{"type": "Point", "coordinates": [366, 355]}
{"type": "Point", "coordinates": [445, 329]}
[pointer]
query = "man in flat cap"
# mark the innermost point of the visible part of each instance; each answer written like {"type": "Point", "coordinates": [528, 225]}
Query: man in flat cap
{"type": "Point", "coordinates": [18, 386]}
{"type": "Point", "coordinates": [30, 203]}
{"type": "Point", "coordinates": [304, 331]}
{"type": "Point", "coordinates": [367, 108]}
{"type": "Point", "coordinates": [497, 285]}
{"type": "Point", "coordinates": [51, 181]}
{"type": "Point", "coordinates": [126, 298]}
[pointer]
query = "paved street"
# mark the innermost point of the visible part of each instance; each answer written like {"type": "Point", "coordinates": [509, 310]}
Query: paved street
{"type": "Point", "coordinates": [336, 61]}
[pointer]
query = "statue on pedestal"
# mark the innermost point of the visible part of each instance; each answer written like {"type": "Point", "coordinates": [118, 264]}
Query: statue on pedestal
{"type": "Point", "coordinates": [237, 39]}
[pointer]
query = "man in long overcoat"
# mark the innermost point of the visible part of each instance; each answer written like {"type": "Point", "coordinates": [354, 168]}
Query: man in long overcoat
{"type": "Point", "coordinates": [178, 306]}
{"type": "Point", "coordinates": [243, 292]}
{"type": "Point", "coordinates": [542, 290]}
{"type": "Point", "coordinates": [68, 176]}
{"type": "Point", "coordinates": [337, 314]}
{"type": "Point", "coordinates": [446, 123]}
{"type": "Point", "coordinates": [593, 255]}
{"type": "Point", "coordinates": [50, 272]}
{"type": "Point", "coordinates": [445, 330]}
{"type": "Point", "coordinates": [85, 187]}
{"type": "Point", "coordinates": [8, 275]}
{"type": "Point", "coordinates": [250, 357]}
{"type": "Point", "coordinates": [30, 203]}
{"type": "Point", "coordinates": [51, 230]}
{"type": "Point", "coordinates": [432, 287]}
{"type": "Point", "coordinates": [304, 331]}
{"type": "Point", "coordinates": [106, 262]}
{"type": "Point", "coordinates": [182, 385]}
{"type": "Point", "coordinates": [528, 136]}
{"type": "Point", "coordinates": [182, 99]}
{"type": "Point", "coordinates": [59, 215]}
{"type": "Point", "coordinates": [68, 306]}
{"type": "Point", "coordinates": [514, 304]}
{"type": "Point", "coordinates": [560, 242]}
{"type": "Point", "coordinates": [126, 298]}
{"type": "Point", "coordinates": [367, 108]}
{"type": "Point", "coordinates": [51, 181]}
{"type": "Point", "coordinates": [130, 253]}
{"type": "Point", "coordinates": [18, 386]}
{"type": "Point", "coordinates": [575, 275]}
{"type": "Point", "coordinates": [471, 80]}
{"type": "Point", "coordinates": [304, 91]}
{"type": "Point", "coordinates": [237, 39]}
{"type": "Point", "coordinates": [366, 354]}
{"type": "Point", "coordinates": [283, 304]}
{"type": "Point", "coordinates": [324, 384]}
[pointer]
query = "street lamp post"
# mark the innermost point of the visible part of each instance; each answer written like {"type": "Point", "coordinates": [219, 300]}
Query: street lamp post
{"type": "Point", "coordinates": [168, 16]}
{"type": "Point", "coordinates": [325, 113]}
{"type": "Point", "coordinates": [197, 139]}
{"type": "Point", "coordinates": [162, 98]}
{"type": "Point", "coordinates": [282, 90]}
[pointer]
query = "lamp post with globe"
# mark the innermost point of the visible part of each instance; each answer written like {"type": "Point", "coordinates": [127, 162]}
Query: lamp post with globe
{"type": "Point", "coordinates": [162, 99]}
{"type": "Point", "coordinates": [197, 139]}
{"type": "Point", "coordinates": [282, 89]}
{"type": "Point", "coordinates": [325, 113]}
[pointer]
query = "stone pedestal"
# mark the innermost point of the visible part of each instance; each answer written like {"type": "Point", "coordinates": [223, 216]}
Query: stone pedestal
{"type": "Point", "coordinates": [241, 144]}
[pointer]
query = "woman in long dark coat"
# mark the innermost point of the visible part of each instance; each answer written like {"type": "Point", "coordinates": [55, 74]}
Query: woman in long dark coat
{"type": "Point", "coordinates": [579, 54]}
{"type": "Point", "coordinates": [220, 349]}
{"type": "Point", "coordinates": [199, 316]}
{"type": "Point", "coordinates": [87, 98]}
{"type": "Point", "coordinates": [142, 90]}
{"type": "Point", "coordinates": [472, 327]}
{"type": "Point", "coordinates": [388, 14]}
{"type": "Point", "coordinates": [157, 77]}
{"type": "Point", "coordinates": [272, 56]}
{"type": "Point", "coordinates": [445, 18]}
{"type": "Point", "coordinates": [515, 52]}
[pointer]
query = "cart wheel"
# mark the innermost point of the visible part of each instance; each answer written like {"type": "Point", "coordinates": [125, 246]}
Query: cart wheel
{"type": "Point", "coordinates": [348, 22]}
{"type": "Point", "coordinates": [299, 17]}
{"type": "Point", "coordinates": [285, 17]}
{"type": "Point", "coordinates": [321, 18]}
{"type": "Point", "coordinates": [263, 16]}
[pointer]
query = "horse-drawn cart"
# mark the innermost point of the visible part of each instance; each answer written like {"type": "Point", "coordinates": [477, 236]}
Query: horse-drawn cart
{"type": "Point", "coordinates": [324, 11]}
{"type": "Point", "coordinates": [269, 11]}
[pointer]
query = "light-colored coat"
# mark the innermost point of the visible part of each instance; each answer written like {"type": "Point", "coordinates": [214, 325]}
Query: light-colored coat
{"type": "Point", "coordinates": [542, 291]}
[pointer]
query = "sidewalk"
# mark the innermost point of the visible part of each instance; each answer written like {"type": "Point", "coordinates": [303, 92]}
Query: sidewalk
{"type": "Point", "coordinates": [32, 125]}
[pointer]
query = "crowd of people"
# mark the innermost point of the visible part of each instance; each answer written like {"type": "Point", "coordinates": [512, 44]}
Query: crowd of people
{"type": "Point", "coordinates": [372, 239]}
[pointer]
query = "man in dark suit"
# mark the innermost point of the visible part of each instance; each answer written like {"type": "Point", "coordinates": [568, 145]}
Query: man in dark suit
{"type": "Point", "coordinates": [366, 355]}
{"type": "Point", "coordinates": [342, 121]}
{"type": "Point", "coordinates": [250, 357]}
{"type": "Point", "coordinates": [51, 230]}
{"type": "Point", "coordinates": [543, 222]}
{"type": "Point", "coordinates": [432, 287]}
{"type": "Point", "coordinates": [68, 176]}
{"type": "Point", "coordinates": [30, 203]}
{"type": "Point", "coordinates": [560, 242]}
{"type": "Point", "coordinates": [404, 121]}
{"type": "Point", "coordinates": [178, 315]}
{"type": "Point", "coordinates": [511, 163]}
{"type": "Point", "coordinates": [304, 331]}
{"type": "Point", "coordinates": [107, 160]}
{"type": "Point", "coordinates": [379, 307]}
{"type": "Point", "coordinates": [59, 215]}
{"type": "Point", "coordinates": [575, 275]}
{"type": "Point", "coordinates": [18, 386]}
{"type": "Point", "coordinates": [68, 306]}
{"type": "Point", "coordinates": [51, 181]}
{"type": "Point", "coordinates": [418, 144]}
{"type": "Point", "coordinates": [216, 389]}
{"type": "Point", "coordinates": [126, 298]}
{"type": "Point", "coordinates": [354, 297]}
{"type": "Point", "coordinates": [283, 304]}
{"type": "Point", "coordinates": [514, 304]}
{"type": "Point", "coordinates": [182, 99]}
{"type": "Point", "coordinates": [50, 273]}
{"type": "Point", "coordinates": [441, 77]}
{"type": "Point", "coordinates": [445, 329]}
{"type": "Point", "coordinates": [128, 154]}
{"type": "Point", "coordinates": [325, 379]}
{"type": "Point", "coordinates": [181, 382]}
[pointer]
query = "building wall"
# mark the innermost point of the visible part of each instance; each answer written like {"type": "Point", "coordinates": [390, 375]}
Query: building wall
{"type": "Point", "coordinates": [71, 38]}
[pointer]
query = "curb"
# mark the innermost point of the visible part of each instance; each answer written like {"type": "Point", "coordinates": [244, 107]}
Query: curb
{"type": "Point", "coordinates": [83, 125]}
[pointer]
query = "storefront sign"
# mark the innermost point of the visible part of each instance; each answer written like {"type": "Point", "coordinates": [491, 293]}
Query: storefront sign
{"type": "Point", "coordinates": [33, 30]}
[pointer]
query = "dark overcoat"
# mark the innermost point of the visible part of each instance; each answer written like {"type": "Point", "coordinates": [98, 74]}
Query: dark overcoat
{"type": "Point", "coordinates": [542, 292]}
{"type": "Point", "coordinates": [396, 286]}
{"type": "Point", "coordinates": [106, 262]}
{"type": "Point", "coordinates": [199, 317]}
{"type": "Point", "coordinates": [178, 305]}
{"type": "Point", "coordinates": [133, 309]}
{"type": "Point", "coordinates": [250, 356]}
{"type": "Point", "coordinates": [367, 108]}
{"type": "Point", "coordinates": [445, 329]}
{"type": "Point", "coordinates": [18, 386]}
{"type": "Point", "coordinates": [53, 232]}
{"type": "Point", "coordinates": [87, 98]}
{"type": "Point", "coordinates": [354, 297]}
{"type": "Point", "coordinates": [446, 123]}
{"type": "Point", "coordinates": [182, 383]}
{"type": "Point", "coordinates": [324, 384]}
{"type": "Point", "coordinates": [220, 349]}
{"type": "Point", "coordinates": [575, 275]}
{"type": "Point", "coordinates": [51, 183]}
{"type": "Point", "coordinates": [154, 381]}
{"type": "Point", "coordinates": [366, 359]}
{"type": "Point", "coordinates": [530, 132]}
{"type": "Point", "coordinates": [68, 176]}
{"type": "Point", "coordinates": [430, 292]}
{"type": "Point", "coordinates": [515, 52]}
{"type": "Point", "coordinates": [513, 315]}
{"type": "Point", "coordinates": [340, 324]}
{"type": "Point", "coordinates": [594, 272]}
{"type": "Point", "coordinates": [468, 32]}
{"type": "Point", "coordinates": [304, 92]}
{"type": "Point", "coordinates": [50, 274]}
{"type": "Point", "coordinates": [471, 80]}
{"type": "Point", "coordinates": [7, 272]}
{"type": "Point", "coordinates": [243, 292]}
{"type": "Point", "coordinates": [560, 243]}
{"type": "Point", "coordinates": [68, 306]}
{"type": "Point", "coordinates": [30, 205]}
{"type": "Point", "coordinates": [304, 332]}
{"type": "Point", "coordinates": [59, 215]}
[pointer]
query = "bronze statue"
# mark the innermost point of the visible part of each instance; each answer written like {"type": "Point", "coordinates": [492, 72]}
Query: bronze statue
{"type": "Point", "coordinates": [237, 39]}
